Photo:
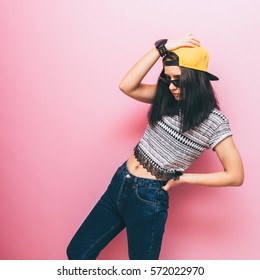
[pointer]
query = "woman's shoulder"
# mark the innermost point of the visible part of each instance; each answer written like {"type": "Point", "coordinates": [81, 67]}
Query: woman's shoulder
{"type": "Point", "coordinates": [217, 115]}
{"type": "Point", "coordinates": [215, 120]}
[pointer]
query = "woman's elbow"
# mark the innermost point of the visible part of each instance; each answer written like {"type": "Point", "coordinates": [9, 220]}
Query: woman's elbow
{"type": "Point", "coordinates": [238, 183]}
{"type": "Point", "coordinates": [123, 87]}
{"type": "Point", "coordinates": [238, 180]}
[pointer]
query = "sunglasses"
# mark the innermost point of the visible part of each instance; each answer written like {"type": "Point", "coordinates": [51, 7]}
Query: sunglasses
{"type": "Point", "coordinates": [169, 81]}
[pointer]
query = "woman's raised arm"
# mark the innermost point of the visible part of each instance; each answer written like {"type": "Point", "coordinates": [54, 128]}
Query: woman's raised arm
{"type": "Point", "coordinates": [132, 84]}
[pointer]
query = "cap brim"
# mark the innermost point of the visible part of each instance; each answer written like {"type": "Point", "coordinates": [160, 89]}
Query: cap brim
{"type": "Point", "coordinates": [212, 77]}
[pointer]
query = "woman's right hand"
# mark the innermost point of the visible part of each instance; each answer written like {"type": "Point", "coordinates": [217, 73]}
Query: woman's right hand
{"type": "Point", "coordinates": [187, 40]}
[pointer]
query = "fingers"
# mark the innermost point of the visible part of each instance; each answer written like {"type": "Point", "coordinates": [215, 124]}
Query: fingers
{"type": "Point", "coordinates": [166, 187]}
{"type": "Point", "coordinates": [171, 184]}
{"type": "Point", "coordinates": [191, 40]}
{"type": "Point", "coordinates": [187, 40]}
{"type": "Point", "coordinates": [195, 42]}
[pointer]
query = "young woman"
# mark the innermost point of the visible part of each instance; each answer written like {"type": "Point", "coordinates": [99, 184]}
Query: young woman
{"type": "Point", "coordinates": [184, 120]}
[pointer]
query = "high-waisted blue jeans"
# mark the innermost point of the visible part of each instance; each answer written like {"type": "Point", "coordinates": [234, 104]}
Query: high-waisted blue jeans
{"type": "Point", "coordinates": [138, 204]}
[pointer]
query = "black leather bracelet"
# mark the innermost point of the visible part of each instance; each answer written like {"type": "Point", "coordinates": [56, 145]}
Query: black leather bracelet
{"type": "Point", "coordinates": [160, 46]}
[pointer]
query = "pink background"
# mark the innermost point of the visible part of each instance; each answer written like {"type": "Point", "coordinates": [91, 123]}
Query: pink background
{"type": "Point", "coordinates": [65, 126]}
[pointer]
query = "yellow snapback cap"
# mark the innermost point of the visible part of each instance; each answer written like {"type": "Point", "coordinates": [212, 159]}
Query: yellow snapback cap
{"type": "Point", "coordinates": [193, 57]}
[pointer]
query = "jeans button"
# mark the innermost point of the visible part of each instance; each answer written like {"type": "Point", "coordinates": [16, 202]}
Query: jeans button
{"type": "Point", "coordinates": [128, 176]}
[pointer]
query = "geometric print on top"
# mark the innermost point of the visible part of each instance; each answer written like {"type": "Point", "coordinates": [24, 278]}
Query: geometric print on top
{"type": "Point", "coordinates": [163, 149]}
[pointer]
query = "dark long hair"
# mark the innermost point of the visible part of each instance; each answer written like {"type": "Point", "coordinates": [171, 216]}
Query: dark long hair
{"type": "Point", "coordinates": [197, 98]}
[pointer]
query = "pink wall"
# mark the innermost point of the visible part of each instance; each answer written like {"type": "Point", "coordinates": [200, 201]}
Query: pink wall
{"type": "Point", "coordinates": [65, 126]}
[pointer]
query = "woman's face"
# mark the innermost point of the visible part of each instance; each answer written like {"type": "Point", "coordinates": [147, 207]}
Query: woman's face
{"type": "Point", "coordinates": [173, 73]}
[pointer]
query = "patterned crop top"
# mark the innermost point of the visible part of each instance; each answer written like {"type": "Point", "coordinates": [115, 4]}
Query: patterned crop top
{"type": "Point", "coordinates": [163, 150]}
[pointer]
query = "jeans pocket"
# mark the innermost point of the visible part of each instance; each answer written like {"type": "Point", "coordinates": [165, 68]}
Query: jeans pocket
{"type": "Point", "coordinates": [147, 195]}
{"type": "Point", "coordinates": [163, 195]}
{"type": "Point", "coordinates": [163, 199]}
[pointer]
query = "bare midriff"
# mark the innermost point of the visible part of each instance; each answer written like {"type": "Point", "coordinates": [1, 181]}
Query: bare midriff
{"type": "Point", "coordinates": [136, 169]}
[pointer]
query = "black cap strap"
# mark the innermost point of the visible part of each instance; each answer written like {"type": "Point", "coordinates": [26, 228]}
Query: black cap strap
{"type": "Point", "coordinates": [171, 63]}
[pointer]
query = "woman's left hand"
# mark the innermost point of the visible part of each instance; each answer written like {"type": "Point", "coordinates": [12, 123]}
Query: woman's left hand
{"type": "Point", "coordinates": [171, 184]}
